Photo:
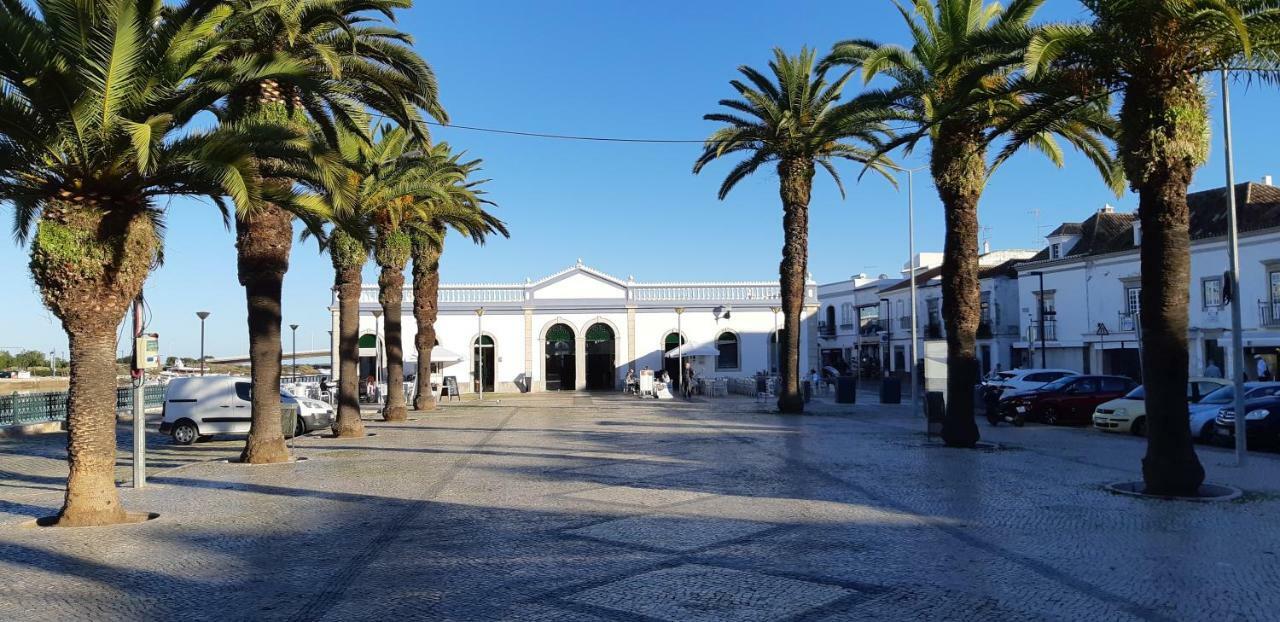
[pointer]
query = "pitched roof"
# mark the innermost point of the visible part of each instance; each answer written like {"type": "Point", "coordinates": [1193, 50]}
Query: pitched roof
{"type": "Point", "coordinates": [1066, 228]}
{"type": "Point", "coordinates": [923, 278]}
{"type": "Point", "coordinates": [1257, 207]}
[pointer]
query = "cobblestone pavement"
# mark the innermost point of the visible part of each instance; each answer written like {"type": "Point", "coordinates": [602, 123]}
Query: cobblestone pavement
{"type": "Point", "coordinates": [604, 508]}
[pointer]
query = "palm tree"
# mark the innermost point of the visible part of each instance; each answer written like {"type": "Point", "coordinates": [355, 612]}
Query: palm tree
{"type": "Point", "coordinates": [354, 62]}
{"type": "Point", "coordinates": [956, 86]}
{"type": "Point", "coordinates": [462, 211]}
{"type": "Point", "coordinates": [1156, 53]}
{"type": "Point", "coordinates": [793, 120]}
{"type": "Point", "coordinates": [95, 102]}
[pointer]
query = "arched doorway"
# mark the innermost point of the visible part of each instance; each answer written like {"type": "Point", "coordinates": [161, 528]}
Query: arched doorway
{"type": "Point", "coordinates": [601, 374]}
{"type": "Point", "coordinates": [669, 343]}
{"type": "Point", "coordinates": [483, 355]}
{"type": "Point", "coordinates": [561, 363]}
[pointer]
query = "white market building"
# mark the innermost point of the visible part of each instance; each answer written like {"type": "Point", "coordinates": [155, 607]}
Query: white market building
{"type": "Point", "coordinates": [582, 329]}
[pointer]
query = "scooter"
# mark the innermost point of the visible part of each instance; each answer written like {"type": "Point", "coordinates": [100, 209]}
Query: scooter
{"type": "Point", "coordinates": [994, 414]}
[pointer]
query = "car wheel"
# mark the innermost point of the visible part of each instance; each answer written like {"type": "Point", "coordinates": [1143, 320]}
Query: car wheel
{"type": "Point", "coordinates": [1050, 416]}
{"type": "Point", "coordinates": [185, 432]}
{"type": "Point", "coordinates": [1206, 432]}
{"type": "Point", "coordinates": [1139, 426]}
{"type": "Point", "coordinates": [300, 428]}
{"type": "Point", "coordinates": [1019, 421]}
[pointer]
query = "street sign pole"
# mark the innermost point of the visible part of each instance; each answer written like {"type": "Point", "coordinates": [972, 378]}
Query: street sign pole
{"type": "Point", "coordinates": [139, 409]}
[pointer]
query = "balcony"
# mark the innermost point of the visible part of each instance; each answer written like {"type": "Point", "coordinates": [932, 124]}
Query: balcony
{"type": "Point", "coordinates": [826, 330]}
{"type": "Point", "coordinates": [1269, 314]}
{"type": "Point", "coordinates": [1050, 331]}
{"type": "Point", "coordinates": [1128, 321]}
{"type": "Point", "coordinates": [846, 326]}
{"type": "Point", "coordinates": [869, 328]}
{"type": "Point", "coordinates": [904, 322]}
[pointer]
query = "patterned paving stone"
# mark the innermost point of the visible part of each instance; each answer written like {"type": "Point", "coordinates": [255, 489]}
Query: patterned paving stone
{"type": "Point", "coordinates": [631, 471]}
{"type": "Point", "coordinates": [642, 497]}
{"type": "Point", "coordinates": [670, 533]}
{"type": "Point", "coordinates": [694, 593]}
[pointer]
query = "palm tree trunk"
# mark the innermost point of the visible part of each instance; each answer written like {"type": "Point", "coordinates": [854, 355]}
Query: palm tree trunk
{"type": "Point", "coordinates": [1160, 155]}
{"type": "Point", "coordinates": [89, 268]}
{"type": "Point", "coordinates": [263, 242]}
{"type": "Point", "coordinates": [426, 289]}
{"type": "Point", "coordinates": [347, 282]}
{"type": "Point", "coordinates": [391, 295]}
{"type": "Point", "coordinates": [795, 184]}
{"type": "Point", "coordinates": [959, 172]}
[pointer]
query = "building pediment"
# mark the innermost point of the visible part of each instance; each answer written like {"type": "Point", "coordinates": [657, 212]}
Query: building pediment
{"type": "Point", "coordinates": [578, 283]}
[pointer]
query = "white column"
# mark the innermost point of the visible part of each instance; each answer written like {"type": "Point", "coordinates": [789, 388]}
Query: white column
{"type": "Point", "coordinates": [631, 337]}
{"type": "Point", "coordinates": [528, 350]}
{"type": "Point", "coordinates": [333, 343]}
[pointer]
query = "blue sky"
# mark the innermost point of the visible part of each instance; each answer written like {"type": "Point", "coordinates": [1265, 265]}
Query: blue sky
{"type": "Point", "coordinates": [629, 69]}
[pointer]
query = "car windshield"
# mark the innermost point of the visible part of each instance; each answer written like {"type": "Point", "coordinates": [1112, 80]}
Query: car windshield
{"type": "Point", "coordinates": [1225, 395]}
{"type": "Point", "coordinates": [1139, 393]}
{"type": "Point", "coordinates": [1058, 384]}
{"type": "Point", "coordinates": [1005, 375]}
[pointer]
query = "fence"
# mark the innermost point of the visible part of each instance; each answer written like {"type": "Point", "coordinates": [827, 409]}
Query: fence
{"type": "Point", "coordinates": [24, 408]}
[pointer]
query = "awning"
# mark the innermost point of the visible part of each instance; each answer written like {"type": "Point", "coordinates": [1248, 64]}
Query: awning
{"type": "Point", "coordinates": [691, 350]}
{"type": "Point", "coordinates": [442, 355]}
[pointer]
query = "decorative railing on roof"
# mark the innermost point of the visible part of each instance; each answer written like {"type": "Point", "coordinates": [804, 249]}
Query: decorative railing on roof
{"type": "Point", "coordinates": [481, 294]}
{"type": "Point", "coordinates": [710, 293]}
{"type": "Point", "coordinates": [656, 292]}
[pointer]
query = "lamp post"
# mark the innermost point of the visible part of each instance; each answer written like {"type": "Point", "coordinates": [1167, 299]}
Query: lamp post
{"type": "Point", "coordinates": [377, 346]}
{"type": "Point", "coordinates": [775, 311]}
{"type": "Point", "coordinates": [1043, 353]}
{"type": "Point", "coordinates": [480, 351]}
{"type": "Point", "coordinates": [203, 315]}
{"type": "Point", "coordinates": [680, 348]}
{"type": "Point", "coordinates": [294, 328]}
{"type": "Point", "coordinates": [911, 250]}
{"type": "Point", "coordinates": [1233, 278]}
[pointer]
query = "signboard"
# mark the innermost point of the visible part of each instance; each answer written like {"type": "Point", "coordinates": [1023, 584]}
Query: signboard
{"type": "Point", "coordinates": [146, 351]}
{"type": "Point", "coordinates": [450, 388]}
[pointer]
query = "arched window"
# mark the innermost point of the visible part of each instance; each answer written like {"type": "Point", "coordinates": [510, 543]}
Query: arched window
{"type": "Point", "coordinates": [727, 344]}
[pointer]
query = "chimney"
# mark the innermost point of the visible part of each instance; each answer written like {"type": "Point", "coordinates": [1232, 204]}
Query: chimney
{"type": "Point", "coordinates": [1137, 233]}
{"type": "Point", "coordinates": [986, 247]}
{"type": "Point", "coordinates": [1107, 209]}
{"type": "Point", "coordinates": [1266, 180]}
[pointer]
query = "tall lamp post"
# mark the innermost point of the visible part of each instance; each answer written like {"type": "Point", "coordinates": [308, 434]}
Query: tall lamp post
{"type": "Point", "coordinates": [775, 361]}
{"type": "Point", "coordinates": [377, 346]}
{"type": "Point", "coordinates": [1233, 279]}
{"type": "Point", "coordinates": [294, 328]}
{"type": "Point", "coordinates": [480, 352]}
{"type": "Point", "coordinates": [911, 250]}
{"type": "Point", "coordinates": [1040, 295]}
{"type": "Point", "coordinates": [680, 348]}
{"type": "Point", "coordinates": [203, 315]}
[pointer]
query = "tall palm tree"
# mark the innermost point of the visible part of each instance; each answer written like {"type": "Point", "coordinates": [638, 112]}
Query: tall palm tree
{"type": "Point", "coordinates": [1156, 53]}
{"type": "Point", "coordinates": [793, 120]}
{"type": "Point", "coordinates": [957, 86]}
{"type": "Point", "coordinates": [463, 211]}
{"type": "Point", "coordinates": [354, 62]}
{"type": "Point", "coordinates": [95, 103]}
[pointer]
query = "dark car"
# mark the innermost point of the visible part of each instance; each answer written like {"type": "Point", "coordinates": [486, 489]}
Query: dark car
{"type": "Point", "coordinates": [1261, 421]}
{"type": "Point", "coordinates": [1066, 400]}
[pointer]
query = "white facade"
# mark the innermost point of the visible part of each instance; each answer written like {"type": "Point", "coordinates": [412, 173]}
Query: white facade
{"type": "Point", "coordinates": [583, 329]}
{"type": "Point", "coordinates": [1091, 302]}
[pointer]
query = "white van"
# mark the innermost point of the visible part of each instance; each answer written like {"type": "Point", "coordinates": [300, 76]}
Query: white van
{"type": "Point", "coordinates": [201, 406]}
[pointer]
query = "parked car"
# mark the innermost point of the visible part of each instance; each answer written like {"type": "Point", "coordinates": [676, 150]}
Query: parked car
{"type": "Point", "coordinates": [1204, 414]}
{"type": "Point", "coordinates": [1261, 420]}
{"type": "Point", "coordinates": [202, 406]}
{"type": "Point", "coordinates": [1129, 413]}
{"type": "Point", "coordinates": [1006, 383]}
{"type": "Point", "coordinates": [1071, 399]}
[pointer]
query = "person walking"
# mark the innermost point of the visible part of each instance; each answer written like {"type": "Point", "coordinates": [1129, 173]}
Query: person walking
{"type": "Point", "coordinates": [1264, 371]}
{"type": "Point", "coordinates": [1212, 370]}
{"type": "Point", "coordinates": [687, 380]}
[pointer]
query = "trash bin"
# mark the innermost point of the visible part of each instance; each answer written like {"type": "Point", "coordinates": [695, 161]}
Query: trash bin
{"type": "Point", "coordinates": [935, 409]}
{"type": "Point", "coordinates": [807, 387]}
{"type": "Point", "coordinates": [289, 420]}
{"type": "Point", "coordinates": [846, 390]}
{"type": "Point", "coordinates": [891, 390]}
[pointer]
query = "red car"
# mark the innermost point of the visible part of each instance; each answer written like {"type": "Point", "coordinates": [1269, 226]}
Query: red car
{"type": "Point", "coordinates": [1066, 400]}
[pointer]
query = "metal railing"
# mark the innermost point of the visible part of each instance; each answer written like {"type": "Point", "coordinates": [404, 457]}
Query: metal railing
{"type": "Point", "coordinates": [1128, 321]}
{"type": "Point", "coordinates": [870, 327]}
{"type": "Point", "coordinates": [652, 293]}
{"type": "Point", "coordinates": [1050, 331]}
{"type": "Point", "coordinates": [24, 408]}
{"type": "Point", "coordinates": [933, 330]}
{"type": "Point", "coordinates": [826, 330]}
{"type": "Point", "coordinates": [904, 322]}
{"type": "Point", "coordinates": [1268, 314]}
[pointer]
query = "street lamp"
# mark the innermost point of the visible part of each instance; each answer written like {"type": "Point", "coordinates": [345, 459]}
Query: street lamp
{"type": "Point", "coordinates": [480, 350]}
{"type": "Point", "coordinates": [776, 364]}
{"type": "Point", "coordinates": [203, 315]}
{"type": "Point", "coordinates": [680, 348]}
{"type": "Point", "coordinates": [911, 250]}
{"type": "Point", "coordinates": [1043, 353]}
{"type": "Point", "coordinates": [377, 346]}
{"type": "Point", "coordinates": [1233, 278]}
{"type": "Point", "coordinates": [294, 328]}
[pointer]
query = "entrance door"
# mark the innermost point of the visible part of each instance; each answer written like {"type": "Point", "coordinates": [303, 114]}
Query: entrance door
{"type": "Point", "coordinates": [672, 366]}
{"type": "Point", "coordinates": [483, 355]}
{"type": "Point", "coordinates": [561, 365]}
{"type": "Point", "coordinates": [601, 373]}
